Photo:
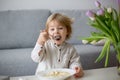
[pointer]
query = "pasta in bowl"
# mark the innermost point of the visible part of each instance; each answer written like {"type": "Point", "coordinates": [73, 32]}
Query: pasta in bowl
{"type": "Point", "coordinates": [55, 74]}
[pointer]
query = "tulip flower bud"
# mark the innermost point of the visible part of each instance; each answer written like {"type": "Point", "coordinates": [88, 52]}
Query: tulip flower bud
{"type": "Point", "coordinates": [109, 10]}
{"type": "Point", "coordinates": [93, 42]}
{"type": "Point", "coordinates": [100, 12]}
{"type": "Point", "coordinates": [91, 15]}
{"type": "Point", "coordinates": [84, 41]}
{"type": "Point", "coordinates": [98, 4]}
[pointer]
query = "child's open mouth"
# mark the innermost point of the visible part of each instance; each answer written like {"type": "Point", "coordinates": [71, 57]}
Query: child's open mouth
{"type": "Point", "coordinates": [58, 37]}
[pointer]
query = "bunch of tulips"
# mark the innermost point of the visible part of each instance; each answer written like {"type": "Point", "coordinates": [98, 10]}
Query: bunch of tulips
{"type": "Point", "coordinates": [107, 22]}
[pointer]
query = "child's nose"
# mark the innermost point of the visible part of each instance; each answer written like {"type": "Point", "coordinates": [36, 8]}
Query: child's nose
{"type": "Point", "coordinates": [56, 30]}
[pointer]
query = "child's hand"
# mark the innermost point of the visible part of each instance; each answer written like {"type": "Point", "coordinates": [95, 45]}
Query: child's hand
{"type": "Point", "coordinates": [79, 72]}
{"type": "Point", "coordinates": [43, 37]}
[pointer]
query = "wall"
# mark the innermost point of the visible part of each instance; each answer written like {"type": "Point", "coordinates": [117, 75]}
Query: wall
{"type": "Point", "coordinates": [53, 4]}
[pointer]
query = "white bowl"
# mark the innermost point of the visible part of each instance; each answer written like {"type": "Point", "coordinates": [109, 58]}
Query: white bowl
{"type": "Point", "coordinates": [56, 74]}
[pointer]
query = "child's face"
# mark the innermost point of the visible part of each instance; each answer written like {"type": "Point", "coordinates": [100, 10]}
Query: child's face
{"type": "Point", "coordinates": [57, 32]}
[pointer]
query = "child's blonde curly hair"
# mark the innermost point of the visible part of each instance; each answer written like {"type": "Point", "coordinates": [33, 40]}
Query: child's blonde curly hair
{"type": "Point", "coordinates": [63, 20]}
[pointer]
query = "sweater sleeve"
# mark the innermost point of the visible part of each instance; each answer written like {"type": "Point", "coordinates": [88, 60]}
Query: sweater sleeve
{"type": "Point", "coordinates": [35, 53]}
{"type": "Point", "coordinates": [75, 59]}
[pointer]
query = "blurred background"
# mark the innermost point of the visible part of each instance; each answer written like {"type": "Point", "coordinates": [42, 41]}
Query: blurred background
{"type": "Point", "coordinates": [54, 4]}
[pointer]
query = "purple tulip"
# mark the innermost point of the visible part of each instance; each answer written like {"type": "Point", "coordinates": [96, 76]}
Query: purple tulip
{"type": "Point", "coordinates": [98, 4]}
{"type": "Point", "coordinates": [100, 12]}
{"type": "Point", "coordinates": [90, 14]}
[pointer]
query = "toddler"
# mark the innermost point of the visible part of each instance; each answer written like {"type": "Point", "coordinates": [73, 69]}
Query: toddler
{"type": "Point", "coordinates": [52, 50]}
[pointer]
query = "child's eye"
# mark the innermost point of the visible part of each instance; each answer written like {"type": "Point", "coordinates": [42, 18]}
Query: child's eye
{"type": "Point", "coordinates": [61, 28]}
{"type": "Point", "coordinates": [52, 29]}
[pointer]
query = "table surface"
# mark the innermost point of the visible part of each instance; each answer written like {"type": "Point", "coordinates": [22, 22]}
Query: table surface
{"type": "Point", "coordinates": [93, 74]}
{"type": "Point", "coordinates": [4, 77]}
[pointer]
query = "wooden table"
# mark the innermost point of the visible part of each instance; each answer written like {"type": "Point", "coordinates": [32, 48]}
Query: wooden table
{"type": "Point", "coordinates": [93, 74]}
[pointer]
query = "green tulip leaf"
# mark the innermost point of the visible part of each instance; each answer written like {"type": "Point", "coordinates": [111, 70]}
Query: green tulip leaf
{"type": "Point", "coordinates": [103, 52]}
{"type": "Point", "coordinates": [107, 54]}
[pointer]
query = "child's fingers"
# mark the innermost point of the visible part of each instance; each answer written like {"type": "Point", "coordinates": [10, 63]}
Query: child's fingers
{"type": "Point", "coordinates": [77, 74]}
{"type": "Point", "coordinates": [42, 31]}
{"type": "Point", "coordinates": [77, 69]}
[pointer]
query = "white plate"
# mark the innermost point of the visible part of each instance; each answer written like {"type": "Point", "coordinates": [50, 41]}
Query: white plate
{"type": "Point", "coordinates": [60, 74]}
